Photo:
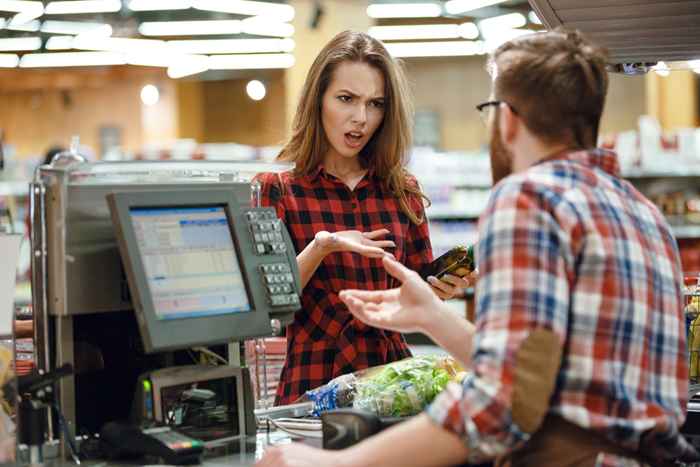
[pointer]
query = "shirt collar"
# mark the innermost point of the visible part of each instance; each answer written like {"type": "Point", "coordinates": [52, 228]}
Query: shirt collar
{"type": "Point", "coordinates": [602, 159]}
{"type": "Point", "coordinates": [320, 171]}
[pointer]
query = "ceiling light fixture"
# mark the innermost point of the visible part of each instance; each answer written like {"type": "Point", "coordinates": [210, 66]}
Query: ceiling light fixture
{"type": "Point", "coordinates": [76, 27]}
{"type": "Point", "coordinates": [436, 49]}
{"type": "Point", "coordinates": [59, 43]}
{"type": "Point", "coordinates": [231, 46]}
{"type": "Point", "coordinates": [508, 21]}
{"type": "Point", "coordinates": [532, 16]}
{"type": "Point", "coordinates": [150, 95]}
{"type": "Point", "coordinates": [117, 44]}
{"type": "Point", "coordinates": [31, 26]}
{"type": "Point", "coordinates": [76, 7]}
{"type": "Point", "coordinates": [250, 61]}
{"type": "Point", "coordinates": [158, 5]}
{"type": "Point", "coordinates": [256, 90]}
{"type": "Point", "coordinates": [188, 67]}
{"type": "Point", "coordinates": [9, 60]}
{"type": "Point", "coordinates": [190, 28]}
{"type": "Point", "coordinates": [409, 32]}
{"type": "Point", "coordinates": [279, 11]}
{"type": "Point", "coordinates": [21, 6]}
{"type": "Point", "coordinates": [261, 26]}
{"type": "Point", "coordinates": [404, 10]}
{"type": "Point", "coordinates": [456, 7]}
{"type": "Point", "coordinates": [20, 44]}
{"type": "Point", "coordinates": [71, 59]}
{"type": "Point", "coordinates": [496, 38]}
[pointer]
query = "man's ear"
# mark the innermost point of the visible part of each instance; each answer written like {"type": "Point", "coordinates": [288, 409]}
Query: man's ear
{"type": "Point", "coordinates": [510, 123]}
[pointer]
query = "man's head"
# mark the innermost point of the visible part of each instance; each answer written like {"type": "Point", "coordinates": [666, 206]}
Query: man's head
{"type": "Point", "coordinates": [551, 91]}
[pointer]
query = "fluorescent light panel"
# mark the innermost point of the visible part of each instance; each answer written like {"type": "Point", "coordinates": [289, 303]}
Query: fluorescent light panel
{"type": "Point", "coordinates": [158, 5]}
{"type": "Point", "coordinates": [279, 11]}
{"type": "Point", "coordinates": [425, 31]}
{"type": "Point", "coordinates": [165, 59]}
{"type": "Point", "coordinates": [232, 46]}
{"type": "Point", "coordinates": [20, 43]}
{"type": "Point", "coordinates": [404, 10]}
{"type": "Point", "coordinates": [59, 43]}
{"type": "Point", "coordinates": [117, 44]}
{"type": "Point", "coordinates": [261, 26]}
{"type": "Point", "coordinates": [20, 6]}
{"type": "Point", "coordinates": [83, 6]}
{"type": "Point", "coordinates": [9, 60]}
{"type": "Point", "coordinates": [190, 28]}
{"type": "Point", "coordinates": [456, 7]}
{"type": "Point", "coordinates": [436, 49]}
{"type": "Point", "coordinates": [70, 59]}
{"type": "Point", "coordinates": [532, 16]}
{"type": "Point", "coordinates": [509, 21]}
{"type": "Point", "coordinates": [250, 61]}
{"type": "Point", "coordinates": [180, 70]}
{"type": "Point", "coordinates": [31, 26]}
{"type": "Point", "coordinates": [76, 27]}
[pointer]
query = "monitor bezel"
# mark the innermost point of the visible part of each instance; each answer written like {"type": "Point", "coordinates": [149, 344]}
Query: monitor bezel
{"type": "Point", "coordinates": [173, 334]}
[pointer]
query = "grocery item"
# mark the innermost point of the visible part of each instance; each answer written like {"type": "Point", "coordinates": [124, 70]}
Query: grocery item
{"type": "Point", "coordinates": [396, 389]}
{"type": "Point", "coordinates": [458, 261]}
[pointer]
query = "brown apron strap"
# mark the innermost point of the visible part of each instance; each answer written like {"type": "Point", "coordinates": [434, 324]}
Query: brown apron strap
{"type": "Point", "coordinates": [559, 443]}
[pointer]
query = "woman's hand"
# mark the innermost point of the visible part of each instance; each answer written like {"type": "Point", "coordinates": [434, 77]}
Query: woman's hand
{"type": "Point", "coordinates": [367, 244]}
{"type": "Point", "coordinates": [450, 286]}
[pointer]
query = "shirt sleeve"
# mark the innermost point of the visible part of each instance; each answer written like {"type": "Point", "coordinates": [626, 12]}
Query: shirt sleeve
{"type": "Point", "coordinates": [271, 191]}
{"type": "Point", "coordinates": [419, 250]}
{"type": "Point", "coordinates": [523, 290]}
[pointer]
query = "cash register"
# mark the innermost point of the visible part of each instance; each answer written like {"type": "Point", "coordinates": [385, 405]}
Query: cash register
{"type": "Point", "coordinates": [201, 271]}
{"type": "Point", "coordinates": [138, 270]}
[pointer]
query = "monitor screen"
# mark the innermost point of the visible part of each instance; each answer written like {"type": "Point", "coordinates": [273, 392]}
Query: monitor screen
{"type": "Point", "coordinates": [191, 265]}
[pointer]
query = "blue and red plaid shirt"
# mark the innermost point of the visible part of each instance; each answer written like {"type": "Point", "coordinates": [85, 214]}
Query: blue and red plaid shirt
{"type": "Point", "coordinates": [324, 340]}
{"type": "Point", "coordinates": [569, 247]}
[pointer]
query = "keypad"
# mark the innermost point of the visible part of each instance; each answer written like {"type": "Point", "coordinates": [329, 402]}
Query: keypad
{"type": "Point", "coordinates": [279, 282]}
{"type": "Point", "coordinates": [267, 232]}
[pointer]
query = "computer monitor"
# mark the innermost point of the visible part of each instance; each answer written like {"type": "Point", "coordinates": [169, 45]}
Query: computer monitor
{"type": "Point", "coordinates": [200, 272]}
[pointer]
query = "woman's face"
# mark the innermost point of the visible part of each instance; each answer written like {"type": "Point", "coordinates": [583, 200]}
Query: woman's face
{"type": "Point", "coordinates": [352, 108]}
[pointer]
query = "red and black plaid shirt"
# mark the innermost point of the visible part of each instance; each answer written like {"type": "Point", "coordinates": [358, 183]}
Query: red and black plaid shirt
{"type": "Point", "coordinates": [324, 340]}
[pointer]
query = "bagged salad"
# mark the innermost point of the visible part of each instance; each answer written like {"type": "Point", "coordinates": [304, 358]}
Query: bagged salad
{"type": "Point", "coordinates": [396, 389]}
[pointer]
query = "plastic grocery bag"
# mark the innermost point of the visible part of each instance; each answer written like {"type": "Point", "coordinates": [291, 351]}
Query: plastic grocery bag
{"type": "Point", "coordinates": [397, 389]}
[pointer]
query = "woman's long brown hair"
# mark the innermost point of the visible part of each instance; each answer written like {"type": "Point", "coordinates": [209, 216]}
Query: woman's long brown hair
{"type": "Point", "coordinates": [386, 153]}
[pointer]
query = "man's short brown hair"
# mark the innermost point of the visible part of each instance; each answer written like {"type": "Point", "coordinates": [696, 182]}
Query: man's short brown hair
{"type": "Point", "coordinates": [556, 81]}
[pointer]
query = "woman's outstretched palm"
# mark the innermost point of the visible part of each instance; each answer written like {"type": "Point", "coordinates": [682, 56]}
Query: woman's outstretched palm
{"type": "Point", "coordinates": [365, 243]}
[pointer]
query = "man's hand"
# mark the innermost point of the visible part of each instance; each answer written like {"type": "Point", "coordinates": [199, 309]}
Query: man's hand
{"type": "Point", "coordinates": [299, 455]}
{"type": "Point", "coordinates": [364, 243]}
{"type": "Point", "coordinates": [410, 308]}
{"type": "Point", "coordinates": [449, 286]}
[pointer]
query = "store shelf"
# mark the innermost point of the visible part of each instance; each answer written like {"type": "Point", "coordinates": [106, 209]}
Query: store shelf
{"type": "Point", "coordinates": [686, 231]}
{"type": "Point", "coordinates": [445, 214]}
{"type": "Point", "coordinates": [671, 172]}
{"type": "Point", "coordinates": [14, 188]}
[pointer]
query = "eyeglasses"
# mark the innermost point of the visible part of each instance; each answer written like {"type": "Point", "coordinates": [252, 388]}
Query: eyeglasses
{"type": "Point", "coordinates": [484, 107]}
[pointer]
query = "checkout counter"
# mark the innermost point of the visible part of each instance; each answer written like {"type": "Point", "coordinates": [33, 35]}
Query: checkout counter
{"type": "Point", "coordinates": [134, 265]}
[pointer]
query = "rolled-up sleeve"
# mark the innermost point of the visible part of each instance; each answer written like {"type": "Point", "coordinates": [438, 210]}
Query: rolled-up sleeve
{"type": "Point", "coordinates": [523, 292]}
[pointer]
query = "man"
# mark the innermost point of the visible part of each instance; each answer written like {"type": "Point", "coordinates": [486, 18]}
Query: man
{"type": "Point", "coordinates": [578, 355]}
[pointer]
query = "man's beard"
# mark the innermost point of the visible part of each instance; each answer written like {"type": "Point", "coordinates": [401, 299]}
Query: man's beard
{"type": "Point", "coordinates": [501, 158]}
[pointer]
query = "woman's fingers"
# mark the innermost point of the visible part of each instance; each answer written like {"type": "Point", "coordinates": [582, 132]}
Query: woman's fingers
{"type": "Point", "coordinates": [383, 244]}
{"type": "Point", "coordinates": [459, 282]}
{"type": "Point", "coordinates": [376, 234]}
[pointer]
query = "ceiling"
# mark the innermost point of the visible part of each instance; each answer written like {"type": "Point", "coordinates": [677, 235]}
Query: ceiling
{"type": "Point", "coordinates": [633, 31]}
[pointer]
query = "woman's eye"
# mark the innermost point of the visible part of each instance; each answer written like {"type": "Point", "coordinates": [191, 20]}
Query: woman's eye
{"type": "Point", "coordinates": [344, 98]}
{"type": "Point", "coordinates": [378, 104]}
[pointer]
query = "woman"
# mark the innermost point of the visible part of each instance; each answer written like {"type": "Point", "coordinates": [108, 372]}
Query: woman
{"type": "Point", "coordinates": [347, 203]}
